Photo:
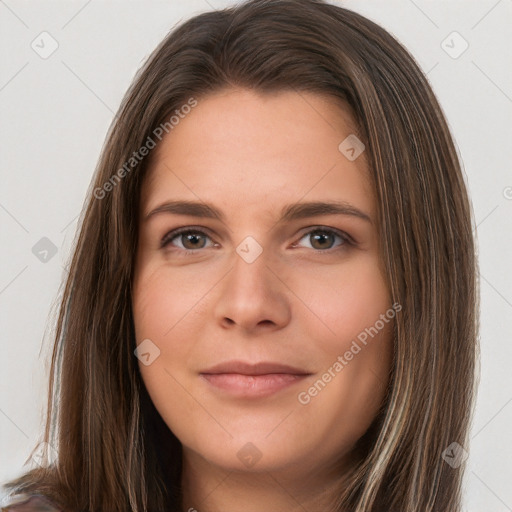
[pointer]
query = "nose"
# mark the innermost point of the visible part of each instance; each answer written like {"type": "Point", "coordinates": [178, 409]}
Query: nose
{"type": "Point", "coordinates": [252, 297]}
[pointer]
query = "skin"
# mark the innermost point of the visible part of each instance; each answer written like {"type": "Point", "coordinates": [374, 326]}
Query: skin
{"type": "Point", "coordinates": [301, 302]}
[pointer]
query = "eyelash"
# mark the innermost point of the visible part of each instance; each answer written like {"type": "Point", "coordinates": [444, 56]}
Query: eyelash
{"type": "Point", "coordinates": [167, 239]}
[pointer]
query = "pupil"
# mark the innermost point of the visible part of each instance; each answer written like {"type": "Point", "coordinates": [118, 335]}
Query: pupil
{"type": "Point", "coordinates": [193, 239]}
{"type": "Point", "coordinates": [322, 238]}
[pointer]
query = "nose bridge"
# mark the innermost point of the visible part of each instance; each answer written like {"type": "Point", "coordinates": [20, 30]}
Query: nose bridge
{"type": "Point", "coordinates": [250, 274]}
{"type": "Point", "coordinates": [251, 293]}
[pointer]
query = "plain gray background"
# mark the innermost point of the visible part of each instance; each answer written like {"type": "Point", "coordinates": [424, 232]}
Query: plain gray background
{"type": "Point", "coordinates": [55, 112]}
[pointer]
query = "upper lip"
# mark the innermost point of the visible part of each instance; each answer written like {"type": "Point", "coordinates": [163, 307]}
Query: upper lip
{"type": "Point", "coordinates": [262, 368]}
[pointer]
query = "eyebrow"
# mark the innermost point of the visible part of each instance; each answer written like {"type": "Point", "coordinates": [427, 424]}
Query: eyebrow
{"type": "Point", "coordinates": [288, 213]}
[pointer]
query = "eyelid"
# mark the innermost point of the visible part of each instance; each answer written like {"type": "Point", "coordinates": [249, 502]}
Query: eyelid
{"type": "Point", "coordinates": [342, 234]}
{"type": "Point", "coordinates": [185, 229]}
{"type": "Point", "coordinates": [347, 239]}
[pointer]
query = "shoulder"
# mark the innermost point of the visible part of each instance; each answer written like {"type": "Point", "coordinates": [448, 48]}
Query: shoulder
{"type": "Point", "coordinates": [28, 503]}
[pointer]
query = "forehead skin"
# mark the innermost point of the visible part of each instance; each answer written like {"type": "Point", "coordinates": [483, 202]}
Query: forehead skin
{"type": "Point", "coordinates": [237, 154]}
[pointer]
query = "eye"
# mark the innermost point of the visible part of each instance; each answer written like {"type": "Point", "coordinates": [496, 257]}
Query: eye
{"type": "Point", "coordinates": [189, 240]}
{"type": "Point", "coordinates": [322, 239]}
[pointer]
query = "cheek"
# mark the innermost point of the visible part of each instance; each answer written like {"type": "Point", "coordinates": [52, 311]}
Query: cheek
{"type": "Point", "coordinates": [162, 300]}
{"type": "Point", "coordinates": [168, 310]}
{"type": "Point", "coordinates": [353, 332]}
{"type": "Point", "coordinates": [345, 302]}
{"type": "Point", "coordinates": [160, 312]}
{"type": "Point", "coordinates": [153, 309]}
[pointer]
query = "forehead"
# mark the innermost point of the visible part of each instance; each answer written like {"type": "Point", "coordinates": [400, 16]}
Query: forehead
{"type": "Point", "coordinates": [245, 149]}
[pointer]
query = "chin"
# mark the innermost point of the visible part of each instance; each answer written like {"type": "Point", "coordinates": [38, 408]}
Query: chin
{"type": "Point", "coordinates": [247, 456]}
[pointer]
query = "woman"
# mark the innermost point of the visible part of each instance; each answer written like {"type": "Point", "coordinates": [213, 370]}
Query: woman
{"type": "Point", "coordinates": [260, 367]}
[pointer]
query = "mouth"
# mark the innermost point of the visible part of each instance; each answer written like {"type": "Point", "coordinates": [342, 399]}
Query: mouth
{"type": "Point", "coordinates": [245, 380]}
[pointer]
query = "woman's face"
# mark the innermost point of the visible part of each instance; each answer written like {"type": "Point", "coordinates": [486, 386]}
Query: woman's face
{"type": "Point", "coordinates": [264, 332]}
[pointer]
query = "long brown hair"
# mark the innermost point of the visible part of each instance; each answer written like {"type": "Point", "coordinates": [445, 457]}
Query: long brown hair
{"type": "Point", "coordinates": [115, 453]}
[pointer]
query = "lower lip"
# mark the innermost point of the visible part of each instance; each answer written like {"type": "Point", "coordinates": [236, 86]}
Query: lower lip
{"type": "Point", "coordinates": [252, 385]}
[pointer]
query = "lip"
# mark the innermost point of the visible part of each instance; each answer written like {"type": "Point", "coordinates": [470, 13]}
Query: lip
{"type": "Point", "coordinates": [246, 380]}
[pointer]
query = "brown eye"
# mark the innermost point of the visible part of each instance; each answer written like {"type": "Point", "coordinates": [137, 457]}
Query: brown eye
{"type": "Point", "coordinates": [324, 239]}
{"type": "Point", "coordinates": [186, 239]}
